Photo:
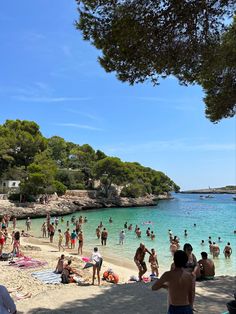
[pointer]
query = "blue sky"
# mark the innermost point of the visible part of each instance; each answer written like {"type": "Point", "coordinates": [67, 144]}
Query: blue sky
{"type": "Point", "coordinates": [51, 76]}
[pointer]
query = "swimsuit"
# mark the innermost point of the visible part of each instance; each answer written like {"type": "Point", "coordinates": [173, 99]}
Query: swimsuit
{"type": "Point", "coordinates": [180, 309]}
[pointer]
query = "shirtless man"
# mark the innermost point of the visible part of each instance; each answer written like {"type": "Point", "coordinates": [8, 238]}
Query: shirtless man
{"type": "Point", "coordinates": [227, 250]}
{"type": "Point", "coordinates": [139, 260]}
{"type": "Point", "coordinates": [71, 273]}
{"type": "Point", "coordinates": [104, 236]}
{"type": "Point", "coordinates": [179, 283]}
{"type": "Point", "coordinates": [60, 264]}
{"type": "Point", "coordinates": [51, 231]}
{"type": "Point", "coordinates": [98, 232]}
{"type": "Point", "coordinates": [207, 267]}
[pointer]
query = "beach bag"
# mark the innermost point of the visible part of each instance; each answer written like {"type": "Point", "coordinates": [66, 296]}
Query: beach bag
{"type": "Point", "coordinates": [5, 256]}
{"type": "Point", "coordinates": [65, 276]}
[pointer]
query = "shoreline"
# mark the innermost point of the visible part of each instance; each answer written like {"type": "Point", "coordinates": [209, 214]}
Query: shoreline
{"type": "Point", "coordinates": [69, 204]}
{"type": "Point", "coordinates": [209, 191]}
{"type": "Point", "coordinates": [71, 298]}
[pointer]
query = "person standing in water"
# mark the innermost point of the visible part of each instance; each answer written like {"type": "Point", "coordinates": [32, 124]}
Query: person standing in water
{"type": "Point", "coordinates": [121, 237]}
{"type": "Point", "coordinates": [98, 232]}
{"type": "Point", "coordinates": [60, 239]}
{"type": "Point", "coordinates": [104, 236]}
{"type": "Point", "coordinates": [28, 223]}
{"type": "Point", "coordinates": [44, 229]}
{"type": "Point", "coordinates": [51, 231]}
{"type": "Point", "coordinates": [227, 250]}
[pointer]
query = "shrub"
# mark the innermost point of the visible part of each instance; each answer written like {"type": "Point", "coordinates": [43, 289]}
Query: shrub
{"type": "Point", "coordinates": [59, 187]}
{"type": "Point", "coordinates": [133, 190]}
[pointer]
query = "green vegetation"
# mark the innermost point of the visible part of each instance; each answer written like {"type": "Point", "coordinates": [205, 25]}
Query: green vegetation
{"type": "Point", "coordinates": [54, 165]}
{"type": "Point", "coordinates": [228, 187]}
{"type": "Point", "coordinates": [146, 39]}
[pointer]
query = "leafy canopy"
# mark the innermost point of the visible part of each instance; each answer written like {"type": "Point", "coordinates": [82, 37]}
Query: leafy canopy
{"type": "Point", "coordinates": [144, 39]}
{"type": "Point", "coordinates": [48, 165]}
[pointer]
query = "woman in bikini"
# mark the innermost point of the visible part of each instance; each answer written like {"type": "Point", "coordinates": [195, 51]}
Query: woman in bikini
{"type": "Point", "coordinates": [227, 250]}
{"type": "Point", "coordinates": [191, 266]}
{"type": "Point", "coordinates": [81, 242]}
{"type": "Point", "coordinates": [2, 241]}
{"type": "Point", "coordinates": [16, 243]}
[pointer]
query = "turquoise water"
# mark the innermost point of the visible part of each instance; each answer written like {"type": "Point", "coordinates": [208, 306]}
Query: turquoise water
{"type": "Point", "coordinates": [215, 217]}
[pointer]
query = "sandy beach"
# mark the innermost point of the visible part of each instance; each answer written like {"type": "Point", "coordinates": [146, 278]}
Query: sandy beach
{"type": "Point", "coordinates": [124, 297]}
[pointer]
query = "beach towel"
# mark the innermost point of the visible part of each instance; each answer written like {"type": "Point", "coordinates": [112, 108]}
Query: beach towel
{"type": "Point", "coordinates": [47, 276]}
{"type": "Point", "coordinates": [27, 262]}
{"type": "Point", "coordinates": [87, 265]}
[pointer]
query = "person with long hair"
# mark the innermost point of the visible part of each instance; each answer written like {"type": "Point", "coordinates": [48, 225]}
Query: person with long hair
{"type": "Point", "coordinates": [191, 266]}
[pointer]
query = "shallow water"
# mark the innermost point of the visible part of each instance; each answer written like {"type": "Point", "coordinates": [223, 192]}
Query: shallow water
{"type": "Point", "coordinates": [213, 217]}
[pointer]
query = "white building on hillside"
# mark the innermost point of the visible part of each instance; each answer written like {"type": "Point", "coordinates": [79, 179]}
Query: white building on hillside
{"type": "Point", "coordinates": [9, 185]}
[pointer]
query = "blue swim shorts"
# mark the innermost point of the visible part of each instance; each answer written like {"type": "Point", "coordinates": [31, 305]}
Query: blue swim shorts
{"type": "Point", "coordinates": [180, 309]}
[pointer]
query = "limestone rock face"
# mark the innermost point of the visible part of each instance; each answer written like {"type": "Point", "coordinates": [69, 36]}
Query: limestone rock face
{"type": "Point", "coordinates": [71, 203]}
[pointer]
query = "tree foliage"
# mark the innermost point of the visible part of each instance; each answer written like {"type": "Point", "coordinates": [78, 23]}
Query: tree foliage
{"type": "Point", "coordinates": [145, 39]}
{"type": "Point", "coordinates": [111, 170]}
{"type": "Point", "coordinates": [41, 175]}
{"type": "Point", "coordinates": [54, 165]}
{"type": "Point", "coordinates": [21, 140]}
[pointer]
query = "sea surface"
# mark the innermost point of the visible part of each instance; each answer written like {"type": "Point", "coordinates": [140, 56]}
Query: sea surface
{"type": "Point", "coordinates": [215, 217]}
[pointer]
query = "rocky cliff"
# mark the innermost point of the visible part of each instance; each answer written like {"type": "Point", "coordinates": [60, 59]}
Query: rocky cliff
{"type": "Point", "coordinates": [72, 203]}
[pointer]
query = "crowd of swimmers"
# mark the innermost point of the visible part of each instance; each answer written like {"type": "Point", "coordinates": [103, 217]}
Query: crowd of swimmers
{"type": "Point", "coordinates": [185, 262]}
{"type": "Point", "coordinates": [68, 238]}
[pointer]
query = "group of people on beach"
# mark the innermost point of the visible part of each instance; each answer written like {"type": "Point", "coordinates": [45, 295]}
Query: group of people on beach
{"type": "Point", "coordinates": [14, 237]}
{"type": "Point", "coordinates": [49, 228]}
{"type": "Point", "coordinates": [185, 267]}
{"type": "Point", "coordinates": [71, 275]}
{"type": "Point", "coordinates": [185, 262]}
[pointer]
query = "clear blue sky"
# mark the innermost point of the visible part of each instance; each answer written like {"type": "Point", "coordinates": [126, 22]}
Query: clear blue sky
{"type": "Point", "coordinates": [51, 76]}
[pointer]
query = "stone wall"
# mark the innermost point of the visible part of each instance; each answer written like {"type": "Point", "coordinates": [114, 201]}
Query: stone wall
{"type": "Point", "coordinates": [82, 193]}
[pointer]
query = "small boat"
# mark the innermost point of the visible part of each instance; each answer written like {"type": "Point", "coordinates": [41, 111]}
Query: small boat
{"type": "Point", "coordinates": [206, 196]}
{"type": "Point", "coordinates": [234, 198]}
{"type": "Point", "coordinates": [209, 196]}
